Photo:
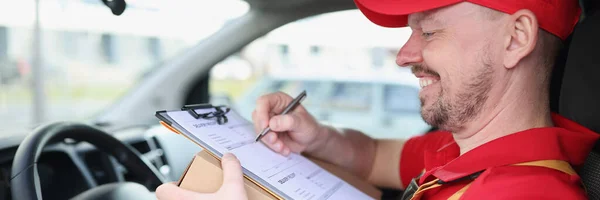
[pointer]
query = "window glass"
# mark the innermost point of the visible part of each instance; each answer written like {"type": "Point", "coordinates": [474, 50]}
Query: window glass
{"type": "Point", "coordinates": [89, 58]}
{"type": "Point", "coordinates": [344, 62]}
{"type": "Point", "coordinates": [351, 96]}
{"type": "Point", "coordinates": [294, 88]}
{"type": "Point", "coordinates": [401, 99]}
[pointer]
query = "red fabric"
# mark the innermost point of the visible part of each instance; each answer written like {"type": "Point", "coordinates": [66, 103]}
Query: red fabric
{"type": "Point", "coordinates": [412, 159]}
{"type": "Point", "coordinates": [555, 16]}
{"type": "Point", "coordinates": [439, 155]}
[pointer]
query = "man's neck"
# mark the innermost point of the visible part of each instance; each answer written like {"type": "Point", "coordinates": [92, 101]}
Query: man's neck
{"type": "Point", "coordinates": [516, 110]}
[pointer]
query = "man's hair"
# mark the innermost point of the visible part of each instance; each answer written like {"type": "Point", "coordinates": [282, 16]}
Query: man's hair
{"type": "Point", "coordinates": [546, 50]}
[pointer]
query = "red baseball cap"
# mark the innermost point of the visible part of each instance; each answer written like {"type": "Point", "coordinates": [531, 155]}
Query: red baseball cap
{"type": "Point", "coordinates": [555, 16]}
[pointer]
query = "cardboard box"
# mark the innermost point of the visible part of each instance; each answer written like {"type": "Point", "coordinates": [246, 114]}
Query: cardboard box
{"type": "Point", "coordinates": [204, 174]}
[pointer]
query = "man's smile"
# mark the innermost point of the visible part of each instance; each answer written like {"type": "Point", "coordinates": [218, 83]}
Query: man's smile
{"type": "Point", "coordinates": [427, 80]}
{"type": "Point", "coordinates": [426, 76]}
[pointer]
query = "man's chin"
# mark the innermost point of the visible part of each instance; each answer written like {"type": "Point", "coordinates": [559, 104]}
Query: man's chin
{"type": "Point", "coordinates": [433, 118]}
{"type": "Point", "coordinates": [429, 120]}
{"type": "Point", "coordinates": [427, 117]}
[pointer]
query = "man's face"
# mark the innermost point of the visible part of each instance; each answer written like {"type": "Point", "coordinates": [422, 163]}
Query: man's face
{"type": "Point", "coordinates": [454, 54]}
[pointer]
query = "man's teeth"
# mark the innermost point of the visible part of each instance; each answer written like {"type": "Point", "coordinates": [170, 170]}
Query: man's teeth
{"type": "Point", "coordinates": [425, 82]}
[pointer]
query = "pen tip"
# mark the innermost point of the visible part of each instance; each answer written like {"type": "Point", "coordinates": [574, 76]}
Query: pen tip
{"type": "Point", "coordinates": [257, 138]}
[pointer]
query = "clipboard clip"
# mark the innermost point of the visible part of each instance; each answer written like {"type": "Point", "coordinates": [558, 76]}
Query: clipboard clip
{"type": "Point", "coordinates": [220, 113]}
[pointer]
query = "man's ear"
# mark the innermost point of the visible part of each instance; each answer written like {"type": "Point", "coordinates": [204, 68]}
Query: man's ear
{"type": "Point", "coordinates": [522, 35]}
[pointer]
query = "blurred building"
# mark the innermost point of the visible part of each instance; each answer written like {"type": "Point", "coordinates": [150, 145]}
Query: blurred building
{"type": "Point", "coordinates": [89, 56]}
{"type": "Point", "coordinates": [84, 41]}
{"type": "Point", "coordinates": [342, 42]}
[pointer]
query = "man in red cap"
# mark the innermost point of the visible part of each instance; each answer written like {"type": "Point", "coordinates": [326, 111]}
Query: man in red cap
{"type": "Point", "coordinates": [484, 68]}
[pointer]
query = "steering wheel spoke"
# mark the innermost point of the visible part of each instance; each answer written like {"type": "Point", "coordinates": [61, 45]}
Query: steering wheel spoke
{"type": "Point", "coordinates": [81, 166]}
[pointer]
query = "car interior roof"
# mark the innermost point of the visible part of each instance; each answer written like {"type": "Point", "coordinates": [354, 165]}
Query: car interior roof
{"type": "Point", "coordinates": [299, 5]}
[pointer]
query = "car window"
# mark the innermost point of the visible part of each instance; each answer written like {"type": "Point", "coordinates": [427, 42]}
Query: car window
{"type": "Point", "coordinates": [401, 99]}
{"type": "Point", "coordinates": [346, 64]}
{"type": "Point", "coordinates": [87, 64]}
{"type": "Point", "coordinates": [351, 96]}
{"type": "Point", "coordinates": [293, 88]}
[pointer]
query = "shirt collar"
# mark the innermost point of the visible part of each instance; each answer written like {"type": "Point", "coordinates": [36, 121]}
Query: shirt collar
{"type": "Point", "coordinates": [567, 141]}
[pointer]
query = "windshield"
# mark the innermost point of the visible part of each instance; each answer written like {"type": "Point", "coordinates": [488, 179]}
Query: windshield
{"type": "Point", "coordinates": [88, 58]}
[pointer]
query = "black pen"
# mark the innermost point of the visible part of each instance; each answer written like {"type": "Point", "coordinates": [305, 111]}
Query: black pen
{"type": "Point", "coordinates": [287, 109]}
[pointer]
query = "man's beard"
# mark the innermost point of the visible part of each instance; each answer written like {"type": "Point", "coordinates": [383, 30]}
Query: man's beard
{"type": "Point", "coordinates": [450, 113]}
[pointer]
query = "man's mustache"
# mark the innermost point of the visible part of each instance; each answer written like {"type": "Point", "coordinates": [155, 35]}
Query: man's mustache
{"type": "Point", "coordinates": [421, 69]}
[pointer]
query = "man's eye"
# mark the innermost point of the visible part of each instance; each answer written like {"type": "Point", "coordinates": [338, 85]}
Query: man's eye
{"type": "Point", "coordinates": [427, 34]}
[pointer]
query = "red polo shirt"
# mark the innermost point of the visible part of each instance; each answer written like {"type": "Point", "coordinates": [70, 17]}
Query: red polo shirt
{"type": "Point", "coordinates": [438, 154]}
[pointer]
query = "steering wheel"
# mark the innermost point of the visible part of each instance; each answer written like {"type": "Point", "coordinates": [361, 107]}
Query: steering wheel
{"type": "Point", "coordinates": [25, 184]}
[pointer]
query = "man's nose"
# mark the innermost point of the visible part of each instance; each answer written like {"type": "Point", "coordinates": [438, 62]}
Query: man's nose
{"type": "Point", "coordinates": [410, 53]}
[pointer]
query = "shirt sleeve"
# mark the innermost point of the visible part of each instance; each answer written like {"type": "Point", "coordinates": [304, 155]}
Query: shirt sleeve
{"type": "Point", "coordinates": [412, 161]}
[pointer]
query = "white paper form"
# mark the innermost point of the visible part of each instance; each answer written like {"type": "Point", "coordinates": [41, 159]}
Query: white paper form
{"type": "Point", "coordinates": [295, 176]}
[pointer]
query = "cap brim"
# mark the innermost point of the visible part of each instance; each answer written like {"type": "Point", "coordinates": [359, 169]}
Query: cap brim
{"type": "Point", "coordinates": [394, 13]}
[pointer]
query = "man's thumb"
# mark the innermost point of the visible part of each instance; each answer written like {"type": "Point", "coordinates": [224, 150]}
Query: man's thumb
{"type": "Point", "coordinates": [232, 171]}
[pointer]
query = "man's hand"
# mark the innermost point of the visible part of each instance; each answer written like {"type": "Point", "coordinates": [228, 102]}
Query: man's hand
{"type": "Point", "coordinates": [232, 188]}
{"type": "Point", "coordinates": [296, 131]}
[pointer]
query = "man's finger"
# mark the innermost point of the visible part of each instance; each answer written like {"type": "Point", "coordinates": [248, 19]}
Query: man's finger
{"type": "Point", "coordinates": [277, 146]}
{"type": "Point", "coordinates": [271, 103]}
{"type": "Point", "coordinates": [269, 138]}
{"type": "Point", "coordinates": [273, 142]}
{"type": "Point", "coordinates": [232, 171]}
{"type": "Point", "coordinates": [291, 145]}
{"type": "Point", "coordinates": [169, 191]}
{"type": "Point", "coordinates": [281, 123]}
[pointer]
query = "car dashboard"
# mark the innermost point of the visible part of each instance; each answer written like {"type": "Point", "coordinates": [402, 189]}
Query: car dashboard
{"type": "Point", "coordinates": [68, 168]}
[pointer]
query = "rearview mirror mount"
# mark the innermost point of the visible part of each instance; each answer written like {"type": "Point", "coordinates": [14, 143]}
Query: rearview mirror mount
{"type": "Point", "coordinates": [116, 6]}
